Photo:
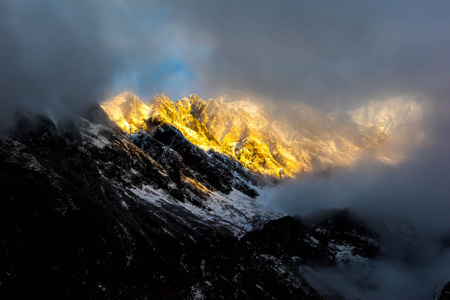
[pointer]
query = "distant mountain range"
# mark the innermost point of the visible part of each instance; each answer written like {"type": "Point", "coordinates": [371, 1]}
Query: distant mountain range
{"type": "Point", "coordinates": [301, 140]}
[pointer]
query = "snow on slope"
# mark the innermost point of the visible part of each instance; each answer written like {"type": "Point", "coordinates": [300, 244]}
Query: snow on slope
{"type": "Point", "coordinates": [235, 211]}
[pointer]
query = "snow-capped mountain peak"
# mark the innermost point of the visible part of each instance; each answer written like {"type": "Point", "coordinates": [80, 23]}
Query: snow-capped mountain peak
{"type": "Point", "coordinates": [127, 111]}
{"type": "Point", "coordinates": [304, 140]}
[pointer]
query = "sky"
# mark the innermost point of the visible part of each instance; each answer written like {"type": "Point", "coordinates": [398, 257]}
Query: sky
{"type": "Point", "coordinates": [332, 55]}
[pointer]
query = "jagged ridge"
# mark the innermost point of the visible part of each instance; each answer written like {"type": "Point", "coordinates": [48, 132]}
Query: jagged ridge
{"type": "Point", "coordinates": [307, 140]}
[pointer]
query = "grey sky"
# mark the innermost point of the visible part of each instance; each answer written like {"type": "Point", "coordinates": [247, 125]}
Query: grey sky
{"type": "Point", "coordinates": [328, 54]}
{"type": "Point", "coordinates": [52, 55]}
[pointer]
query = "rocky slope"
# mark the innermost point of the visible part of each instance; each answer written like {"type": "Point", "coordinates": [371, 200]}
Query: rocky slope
{"type": "Point", "coordinates": [444, 293]}
{"type": "Point", "coordinates": [89, 211]}
{"type": "Point", "coordinates": [304, 140]}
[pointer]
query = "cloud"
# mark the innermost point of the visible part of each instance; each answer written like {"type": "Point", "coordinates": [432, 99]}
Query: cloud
{"type": "Point", "coordinates": [331, 55]}
{"type": "Point", "coordinates": [53, 55]}
{"type": "Point", "coordinates": [416, 189]}
{"type": "Point", "coordinates": [415, 193]}
{"type": "Point", "coordinates": [62, 56]}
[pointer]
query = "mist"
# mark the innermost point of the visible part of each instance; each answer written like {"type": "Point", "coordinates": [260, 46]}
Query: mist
{"type": "Point", "coordinates": [418, 183]}
{"type": "Point", "coordinates": [52, 56]}
{"type": "Point", "coordinates": [413, 194]}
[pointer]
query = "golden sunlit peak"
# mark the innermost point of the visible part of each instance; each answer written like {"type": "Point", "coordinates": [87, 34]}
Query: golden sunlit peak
{"type": "Point", "coordinates": [127, 111]}
{"type": "Point", "coordinates": [265, 145]}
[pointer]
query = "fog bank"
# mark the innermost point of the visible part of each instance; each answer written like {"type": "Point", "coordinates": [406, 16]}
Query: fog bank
{"type": "Point", "coordinates": [414, 193]}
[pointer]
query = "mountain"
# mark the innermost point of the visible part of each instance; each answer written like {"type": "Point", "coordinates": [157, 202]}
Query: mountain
{"type": "Point", "coordinates": [91, 211]}
{"type": "Point", "coordinates": [88, 211]}
{"type": "Point", "coordinates": [127, 110]}
{"type": "Point", "coordinates": [303, 140]}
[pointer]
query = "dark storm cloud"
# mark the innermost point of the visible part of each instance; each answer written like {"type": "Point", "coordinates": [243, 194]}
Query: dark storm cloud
{"type": "Point", "coordinates": [52, 55]}
{"type": "Point", "coordinates": [63, 55]}
{"type": "Point", "coordinates": [328, 54]}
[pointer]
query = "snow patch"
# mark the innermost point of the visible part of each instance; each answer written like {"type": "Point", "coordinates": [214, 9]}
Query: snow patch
{"type": "Point", "coordinates": [92, 133]}
{"type": "Point", "coordinates": [236, 211]}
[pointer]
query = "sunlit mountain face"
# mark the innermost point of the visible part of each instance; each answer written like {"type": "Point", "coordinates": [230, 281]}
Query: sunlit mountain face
{"type": "Point", "coordinates": [300, 140]}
